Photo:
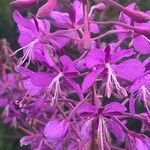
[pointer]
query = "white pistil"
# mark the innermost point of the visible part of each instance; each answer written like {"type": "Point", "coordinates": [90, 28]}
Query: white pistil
{"type": "Point", "coordinates": [57, 90]}
{"type": "Point", "coordinates": [27, 54]}
{"type": "Point", "coordinates": [111, 79]}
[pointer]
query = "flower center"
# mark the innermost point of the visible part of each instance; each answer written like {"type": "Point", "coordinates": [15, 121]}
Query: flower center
{"type": "Point", "coordinates": [112, 80]}
{"type": "Point", "coordinates": [55, 84]}
{"type": "Point", "coordinates": [28, 52]}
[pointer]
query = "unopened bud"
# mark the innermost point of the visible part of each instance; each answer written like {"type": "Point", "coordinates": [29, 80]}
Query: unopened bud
{"type": "Point", "coordinates": [46, 9]}
{"type": "Point", "coordinates": [100, 7]}
{"type": "Point", "coordinates": [137, 16]}
{"type": "Point", "coordinates": [23, 4]}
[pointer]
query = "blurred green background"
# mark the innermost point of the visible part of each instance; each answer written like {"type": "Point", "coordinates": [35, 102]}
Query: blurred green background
{"type": "Point", "coordinates": [9, 137]}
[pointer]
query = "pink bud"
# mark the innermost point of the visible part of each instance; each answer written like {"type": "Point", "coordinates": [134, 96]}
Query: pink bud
{"type": "Point", "coordinates": [100, 7]}
{"type": "Point", "coordinates": [136, 15]}
{"type": "Point", "coordinates": [142, 30]}
{"type": "Point", "coordinates": [46, 9]}
{"type": "Point", "coordinates": [22, 4]}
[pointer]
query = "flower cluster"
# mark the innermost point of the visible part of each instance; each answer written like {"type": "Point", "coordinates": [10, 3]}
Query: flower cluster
{"type": "Point", "coordinates": [80, 78]}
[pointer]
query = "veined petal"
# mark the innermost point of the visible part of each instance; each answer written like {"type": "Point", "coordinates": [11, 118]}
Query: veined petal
{"type": "Point", "coordinates": [86, 130]}
{"type": "Point", "coordinates": [129, 70]}
{"type": "Point", "coordinates": [114, 107]}
{"type": "Point", "coordinates": [75, 87]}
{"type": "Point", "coordinates": [94, 57]}
{"type": "Point", "coordinates": [142, 44]}
{"type": "Point", "coordinates": [90, 79]}
{"type": "Point", "coordinates": [116, 130]}
{"type": "Point", "coordinates": [55, 130]}
{"type": "Point", "coordinates": [68, 66]}
{"type": "Point", "coordinates": [87, 108]}
{"type": "Point", "coordinates": [79, 10]}
{"type": "Point", "coordinates": [20, 20]}
{"type": "Point", "coordinates": [41, 79]}
{"type": "Point", "coordinates": [60, 17]}
{"type": "Point", "coordinates": [121, 54]}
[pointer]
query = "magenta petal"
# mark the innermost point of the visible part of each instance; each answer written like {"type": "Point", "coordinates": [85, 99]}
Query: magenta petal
{"type": "Point", "coordinates": [90, 79]}
{"type": "Point", "coordinates": [121, 35]}
{"type": "Point", "coordinates": [55, 130]}
{"type": "Point", "coordinates": [94, 28]}
{"type": "Point", "coordinates": [20, 20]}
{"type": "Point", "coordinates": [86, 130]}
{"type": "Point", "coordinates": [48, 59]}
{"type": "Point", "coordinates": [60, 17]}
{"type": "Point", "coordinates": [132, 69]}
{"type": "Point", "coordinates": [41, 79]}
{"type": "Point", "coordinates": [79, 10]}
{"type": "Point", "coordinates": [142, 44]}
{"type": "Point", "coordinates": [124, 18]}
{"type": "Point", "coordinates": [68, 66]}
{"type": "Point", "coordinates": [116, 130]}
{"type": "Point", "coordinates": [31, 88]}
{"type": "Point", "coordinates": [137, 85]}
{"type": "Point", "coordinates": [141, 144]}
{"type": "Point", "coordinates": [114, 107]}
{"type": "Point", "coordinates": [24, 71]}
{"type": "Point", "coordinates": [121, 54]}
{"type": "Point", "coordinates": [3, 102]}
{"type": "Point", "coordinates": [87, 108]}
{"type": "Point", "coordinates": [75, 87]}
{"type": "Point", "coordinates": [94, 57]}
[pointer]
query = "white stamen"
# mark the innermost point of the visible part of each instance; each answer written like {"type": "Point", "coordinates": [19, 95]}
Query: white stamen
{"type": "Point", "coordinates": [28, 52]}
{"type": "Point", "coordinates": [112, 79]}
{"type": "Point", "coordinates": [57, 90]}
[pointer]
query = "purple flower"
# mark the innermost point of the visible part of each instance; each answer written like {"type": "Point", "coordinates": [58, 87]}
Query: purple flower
{"type": "Point", "coordinates": [144, 44]}
{"type": "Point", "coordinates": [140, 90]}
{"type": "Point", "coordinates": [33, 38]}
{"type": "Point", "coordinates": [102, 123]}
{"type": "Point", "coordinates": [73, 19]}
{"type": "Point", "coordinates": [49, 82]}
{"type": "Point", "coordinates": [108, 61]}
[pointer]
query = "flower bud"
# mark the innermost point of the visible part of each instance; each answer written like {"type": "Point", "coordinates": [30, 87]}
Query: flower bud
{"type": "Point", "coordinates": [46, 9]}
{"type": "Point", "coordinates": [22, 4]}
{"type": "Point", "coordinates": [137, 16]}
{"type": "Point", "coordinates": [100, 7]}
